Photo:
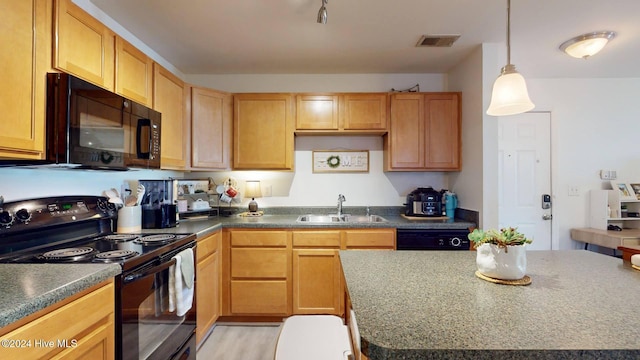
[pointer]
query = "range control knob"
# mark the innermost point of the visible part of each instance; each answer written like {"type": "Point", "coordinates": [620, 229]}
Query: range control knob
{"type": "Point", "coordinates": [23, 215]}
{"type": "Point", "coordinates": [6, 218]}
{"type": "Point", "coordinates": [456, 242]}
{"type": "Point", "coordinates": [102, 205]}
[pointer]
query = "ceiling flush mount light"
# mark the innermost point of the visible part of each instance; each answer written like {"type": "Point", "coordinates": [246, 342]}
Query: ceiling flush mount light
{"type": "Point", "coordinates": [586, 45]}
{"type": "Point", "coordinates": [322, 13]}
{"type": "Point", "coordinates": [509, 95]}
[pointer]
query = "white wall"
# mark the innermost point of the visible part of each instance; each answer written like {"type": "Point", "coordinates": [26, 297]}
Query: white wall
{"type": "Point", "coordinates": [594, 125]}
{"type": "Point", "coordinates": [25, 183]}
{"type": "Point", "coordinates": [466, 77]}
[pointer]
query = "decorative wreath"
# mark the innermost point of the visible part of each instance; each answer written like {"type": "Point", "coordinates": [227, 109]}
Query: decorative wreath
{"type": "Point", "coordinates": [333, 161]}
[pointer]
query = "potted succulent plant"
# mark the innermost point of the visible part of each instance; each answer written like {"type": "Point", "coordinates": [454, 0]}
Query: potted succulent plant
{"type": "Point", "coordinates": [501, 254]}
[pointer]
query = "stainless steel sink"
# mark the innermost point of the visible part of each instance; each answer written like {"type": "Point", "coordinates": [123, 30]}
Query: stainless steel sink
{"type": "Point", "coordinates": [345, 218]}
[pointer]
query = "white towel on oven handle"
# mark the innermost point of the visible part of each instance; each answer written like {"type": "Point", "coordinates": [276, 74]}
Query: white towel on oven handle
{"type": "Point", "coordinates": [180, 294]}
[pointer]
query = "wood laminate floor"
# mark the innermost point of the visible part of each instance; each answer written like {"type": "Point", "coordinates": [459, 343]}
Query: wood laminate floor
{"type": "Point", "coordinates": [240, 342]}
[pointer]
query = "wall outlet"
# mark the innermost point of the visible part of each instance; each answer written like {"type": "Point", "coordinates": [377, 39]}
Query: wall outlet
{"type": "Point", "coordinates": [266, 190]}
{"type": "Point", "coordinates": [574, 190]}
{"type": "Point", "coordinates": [608, 174]}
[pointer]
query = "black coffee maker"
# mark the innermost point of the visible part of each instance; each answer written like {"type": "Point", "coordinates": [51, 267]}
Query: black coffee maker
{"type": "Point", "coordinates": [159, 204]}
{"type": "Point", "coordinates": [424, 201]}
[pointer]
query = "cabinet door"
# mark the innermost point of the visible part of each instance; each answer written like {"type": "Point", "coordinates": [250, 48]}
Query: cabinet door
{"type": "Point", "coordinates": [83, 46]}
{"type": "Point", "coordinates": [23, 55]}
{"type": "Point", "coordinates": [263, 132]}
{"type": "Point", "coordinates": [316, 112]}
{"type": "Point", "coordinates": [211, 121]}
{"type": "Point", "coordinates": [208, 295]}
{"type": "Point", "coordinates": [170, 97]}
{"type": "Point", "coordinates": [367, 111]}
{"type": "Point", "coordinates": [442, 128]}
{"type": "Point", "coordinates": [405, 143]}
{"type": "Point", "coordinates": [316, 279]}
{"type": "Point", "coordinates": [134, 72]}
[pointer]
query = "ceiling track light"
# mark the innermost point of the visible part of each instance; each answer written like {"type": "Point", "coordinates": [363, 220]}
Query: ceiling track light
{"type": "Point", "coordinates": [587, 45]}
{"type": "Point", "coordinates": [509, 95]}
{"type": "Point", "coordinates": [322, 13]}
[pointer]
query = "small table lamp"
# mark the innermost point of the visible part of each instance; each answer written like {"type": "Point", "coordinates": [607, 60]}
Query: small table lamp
{"type": "Point", "coordinates": [253, 191]}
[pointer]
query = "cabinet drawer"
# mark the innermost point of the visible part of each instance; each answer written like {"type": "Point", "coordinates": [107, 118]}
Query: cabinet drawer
{"type": "Point", "coordinates": [323, 239]}
{"type": "Point", "coordinates": [259, 263]}
{"type": "Point", "coordinates": [208, 245]}
{"type": "Point", "coordinates": [272, 295]}
{"type": "Point", "coordinates": [375, 239]}
{"type": "Point", "coordinates": [259, 238]}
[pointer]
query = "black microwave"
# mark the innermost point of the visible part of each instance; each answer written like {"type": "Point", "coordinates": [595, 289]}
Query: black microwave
{"type": "Point", "coordinates": [91, 127]}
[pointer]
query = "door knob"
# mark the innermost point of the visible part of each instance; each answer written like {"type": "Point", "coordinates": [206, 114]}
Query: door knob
{"type": "Point", "coordinates": [547, 217]}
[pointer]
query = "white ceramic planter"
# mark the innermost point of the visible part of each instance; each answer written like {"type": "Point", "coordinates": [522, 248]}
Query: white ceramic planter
{"type": "Point", "coordinates": [498, 263]}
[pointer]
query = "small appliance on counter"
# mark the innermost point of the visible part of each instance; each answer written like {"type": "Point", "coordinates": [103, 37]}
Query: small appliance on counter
{"type": "Point", "coordinates": [424, 201]}
{"type": "Point", "coordinates": [159, 204]}
{"type": "Point", "coordinates": [450, 204]}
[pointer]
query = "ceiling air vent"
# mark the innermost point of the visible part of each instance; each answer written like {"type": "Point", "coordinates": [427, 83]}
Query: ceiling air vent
{"type": "Point", "coordinates": [437, 40]}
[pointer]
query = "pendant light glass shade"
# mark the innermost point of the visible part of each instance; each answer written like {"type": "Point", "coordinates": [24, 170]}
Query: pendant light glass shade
{"type": "Point", "coordinates": [509, 95]}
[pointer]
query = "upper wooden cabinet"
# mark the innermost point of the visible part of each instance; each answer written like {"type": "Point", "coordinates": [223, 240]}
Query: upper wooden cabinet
{"type": "Point", "coordinates": [364, 111]}
{"type": "Point", "coordinates": [316, 112]}
{"type": "Point", "coordinates": [170, 98]}
{"type": "Point", "coordinates": [25, 53]}
{"type": "Point", "coordinates": [353, 113]}
{"type": "Point", "coordinates": [211, 122]}
{"type": "Point", "coordinates": [134, 72]}
{"type": "Point", "coordinates": [83, 46]}
{"type": "Point", "coordinates": [424, 133]}
{"type": "Point", "coordinates": [263, 131]}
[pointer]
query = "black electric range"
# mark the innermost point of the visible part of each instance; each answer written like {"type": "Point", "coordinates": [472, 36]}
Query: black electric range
{"type": "Point", "coordinates": [79, 229]}
{"type": "Point", "coordinates": [76, 229]}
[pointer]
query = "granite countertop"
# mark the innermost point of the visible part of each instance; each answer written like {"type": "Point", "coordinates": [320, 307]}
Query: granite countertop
{"type": "Point", "coordinates": [287, 219]}
{"type": "Point", "coordinates": [429, 304]}
{"type": "Point", "coordinates": [27, 288]}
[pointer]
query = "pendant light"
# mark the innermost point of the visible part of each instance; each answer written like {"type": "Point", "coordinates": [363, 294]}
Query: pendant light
{"type": "Point", "coordinates": [322, 13]}
{"type": "Point", "coordinates": [509, 95]}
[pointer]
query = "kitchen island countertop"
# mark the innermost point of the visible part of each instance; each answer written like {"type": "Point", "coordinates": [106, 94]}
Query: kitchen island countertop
{"type": "Point", "coordinates": [28, 288]}
{"type": "Point", "coordinates": [430, 305]}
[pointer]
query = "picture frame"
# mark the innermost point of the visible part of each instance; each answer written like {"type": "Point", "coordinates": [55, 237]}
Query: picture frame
{"type": "Point", "coordinates": [635, 186]}
{"type": "Point", "coordinates": [340, 161]}
{"type": "Point", "coordinates": [626, 191]}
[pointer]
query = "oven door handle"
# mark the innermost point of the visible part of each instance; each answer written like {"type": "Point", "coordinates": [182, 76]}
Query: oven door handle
{"type": "Point", "coordinates": [135, 276]}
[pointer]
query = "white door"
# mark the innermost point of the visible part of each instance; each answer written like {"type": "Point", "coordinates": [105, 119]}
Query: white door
{"type": "Point", "coordinates": [525, 175]}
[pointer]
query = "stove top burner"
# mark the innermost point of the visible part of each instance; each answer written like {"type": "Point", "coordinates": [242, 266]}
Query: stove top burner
{"type": "Point", "coordinates": [67, 254]}
{"type": "Point", "coordinates": [157, 239]}
{"type": "Point", "coordinates": [120, 237]}
{"type": "Point", "coordinates": [116, 255]}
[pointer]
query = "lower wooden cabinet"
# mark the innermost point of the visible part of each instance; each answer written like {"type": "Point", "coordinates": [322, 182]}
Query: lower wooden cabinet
{"type": "Point", "coordinates": [259, 273]}
{"type": "Point", "coordinates": [382, 239]}
{"type": "Point", "coordinates": [80, 329]}
{"type": "Point", "coordinates": [317, 285]}
{"type": "Point", "coordinates": [288, 272]}
{"type": "Point", "coordinates": [207, 283]}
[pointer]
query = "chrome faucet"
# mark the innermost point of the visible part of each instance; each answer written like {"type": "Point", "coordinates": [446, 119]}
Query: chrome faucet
{"type": "Point", "coordinates": [341, 199]}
